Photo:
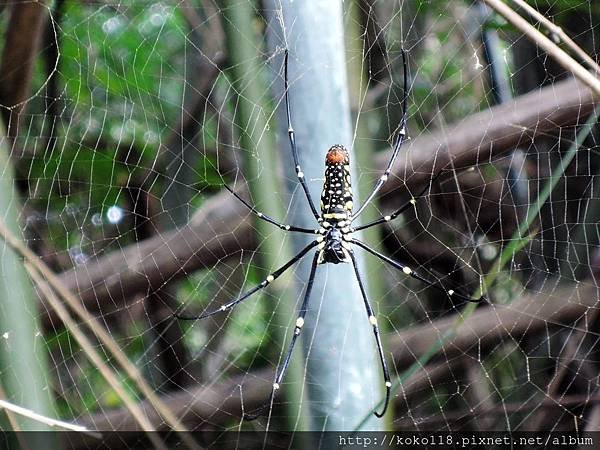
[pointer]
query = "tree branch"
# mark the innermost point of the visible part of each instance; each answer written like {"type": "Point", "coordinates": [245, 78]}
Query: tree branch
{"type": "Point", "coordinates": [558, 35]}
{"type": "Point", "coordinates": [20, 51]}
{"type": "Point", "coordinates": [491, 133]}
{"type": "Point", "coordinates": [546, 44]}
{"type": "Point", "coordinates": [489, 326]}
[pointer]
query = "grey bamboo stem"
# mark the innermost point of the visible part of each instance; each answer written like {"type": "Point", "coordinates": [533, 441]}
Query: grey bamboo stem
{"type": "Point", "coordinates": [343, 374]}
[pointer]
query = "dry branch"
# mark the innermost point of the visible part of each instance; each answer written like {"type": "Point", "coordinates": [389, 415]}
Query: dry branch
{"type": "Point", "coordinates": [546, 44]}
{"type": "Point", "coordinates": [490, 325]}
{"type": "Point", "coordinates": [476, 337]}
{"type": "Point", "coordinates": [221, 402]}
{"type": "Point", "coordinates": [558, 35]}
{"type": "Point", "coordinates": [39, 271]}
{"type": "Point", "coordinates": [546, 405]}
{"type": "Point", "coordinates": [490, 134]}
{"type": "Point", "coordinates": [219, 230]}
{"type": "Point", "coordinates": [95, 357]}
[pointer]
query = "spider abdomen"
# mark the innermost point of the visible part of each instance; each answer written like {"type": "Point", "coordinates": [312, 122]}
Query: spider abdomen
{"type": "Point", "coordinates": [336, 198]}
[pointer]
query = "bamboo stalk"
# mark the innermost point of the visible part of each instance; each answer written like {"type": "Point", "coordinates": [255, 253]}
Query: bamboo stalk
{"type": "Point", "coordinates": [261, 163]}
{"type": "Point", "coordinates": [23, 355]}
{"type": "Point", "coordinates": [347, 383]}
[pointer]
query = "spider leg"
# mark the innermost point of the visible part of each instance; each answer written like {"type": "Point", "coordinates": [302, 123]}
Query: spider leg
{"type": "Point", "coordinates": [266, 218]}
{"type": "Point", "coordinates": [403, 208]}
{"type": "Point", "coordinates": [373, 322]}
{"type": "Point", "coordinates": [402, 136]}
{"type": "Point", "coordinates": [292, 138]}
{"type": "Point", "coordinates": [297, 329]}
{"type": "Point", "coordinates": [247, 294]}
{"type": "Point", "coordinates": [408, 271]}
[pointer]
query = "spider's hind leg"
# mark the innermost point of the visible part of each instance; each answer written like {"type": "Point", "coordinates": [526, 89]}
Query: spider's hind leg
{"type": "Point", "coordinates": [297, 330]}
{"type": "Point", "coordinates": [373, 322]}
{"type": "Point", "coordinates": [436, 284]}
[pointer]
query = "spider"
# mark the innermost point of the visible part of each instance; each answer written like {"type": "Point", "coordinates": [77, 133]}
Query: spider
{"type": "Point", "coordinates": [334, 242]}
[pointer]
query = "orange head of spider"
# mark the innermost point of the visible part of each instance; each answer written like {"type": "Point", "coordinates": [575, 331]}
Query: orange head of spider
{"type": "Point", "coordinates": [337, 155]}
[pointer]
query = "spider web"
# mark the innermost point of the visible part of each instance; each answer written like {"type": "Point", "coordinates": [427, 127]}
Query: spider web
{"type": "Point", "coordinates": [130, 131]}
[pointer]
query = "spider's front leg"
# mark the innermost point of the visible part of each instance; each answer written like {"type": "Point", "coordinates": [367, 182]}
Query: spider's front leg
{"type": "Point", "coordinates": [266, 218]}
{"type": "Point", "coordinates": [292, 138]}
{"type": "Point", "coordinates": [402, 137]}
{"type": "Point", "coordinates": [399, 211]}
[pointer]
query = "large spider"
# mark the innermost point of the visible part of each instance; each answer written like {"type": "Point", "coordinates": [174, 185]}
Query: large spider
{"type": "Point", "coordinates": [334, 241]}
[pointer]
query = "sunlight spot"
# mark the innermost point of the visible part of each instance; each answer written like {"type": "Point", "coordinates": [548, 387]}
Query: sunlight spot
{"type": "Point", "coordinates": [114, 214]}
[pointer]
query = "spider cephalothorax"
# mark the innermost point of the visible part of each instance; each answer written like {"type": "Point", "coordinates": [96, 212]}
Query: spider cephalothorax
{"type": "Point", "coordinates": [334, 240]}
{"type": "Point", "coordinates": [333, 247]}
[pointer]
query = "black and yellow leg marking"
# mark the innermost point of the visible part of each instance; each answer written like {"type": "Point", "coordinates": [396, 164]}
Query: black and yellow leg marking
{"type": "Point", "coordinates": [437, 284]}
{"type": "Point", "coordinates": [373, 322]}
{"type": "Point", "coordinates": [262, 285]}
{"type": "Point", "coordinates": [292, 138]}
{"type": "Point", "coordinates": [297, 330]}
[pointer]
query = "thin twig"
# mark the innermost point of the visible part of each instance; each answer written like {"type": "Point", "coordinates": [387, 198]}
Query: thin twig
{"type": "Point", "coordinates": [14, 424]}
{"type": "Point", "coordinates": [94, 356]}
{"type": "Point", "coordinates": [546, 44]}
{"type": "Point", "coordinates": [41, 418]}
{"type": "Point", "coordinates": [557, 34]}
{"type": "Point", "coordinates": [97, 329]}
